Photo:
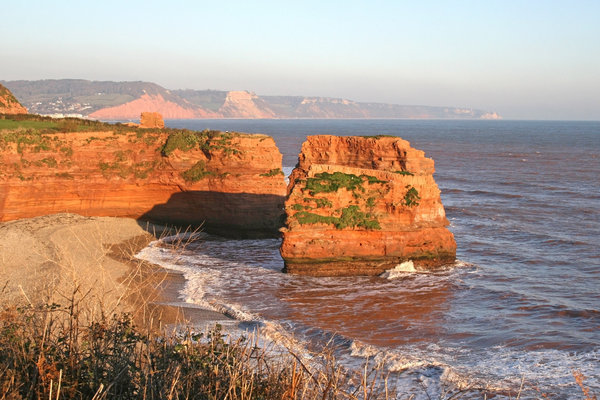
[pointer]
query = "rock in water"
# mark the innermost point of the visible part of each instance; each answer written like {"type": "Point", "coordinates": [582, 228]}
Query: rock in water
{"type": "Point", "coordinates": [151, 120]}
{"type": "Point", "coordinates": [230, 183]}
{"type": "Point", "coordinates": [362, 205]}
{"type": "Point", "coordinates": [9, 103]}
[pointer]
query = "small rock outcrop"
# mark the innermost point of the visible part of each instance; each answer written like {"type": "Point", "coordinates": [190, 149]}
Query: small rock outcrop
{"type": "Point", "coordinates": [363, 205]}
{"type": "Point", "coordinates": [9, 103]}
{"type": "Point", "coordinates": [151, 120]}
{"type": "Point", "coordinates": [230, 183]}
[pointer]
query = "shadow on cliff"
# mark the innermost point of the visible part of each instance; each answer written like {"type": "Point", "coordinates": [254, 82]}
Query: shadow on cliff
{"type": "Point", "coordinates": [235, 215]}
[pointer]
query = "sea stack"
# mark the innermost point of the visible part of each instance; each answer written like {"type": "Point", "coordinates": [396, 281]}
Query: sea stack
{"type": "Point", "coordinates": [361, 206]}
{"type": "Point", "coordinates": [151, 120]}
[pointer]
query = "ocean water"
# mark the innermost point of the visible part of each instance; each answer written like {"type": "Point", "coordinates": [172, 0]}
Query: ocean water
{"type": "Point", "coordinates": [521, 303]}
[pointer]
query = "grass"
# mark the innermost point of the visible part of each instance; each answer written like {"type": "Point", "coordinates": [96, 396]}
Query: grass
{"type": "Point", "coordinates": [197, 172]}
{"type": "Point", "coordinates": [273, 172]}
{"type": "Point", "coordinates": [121, 168]}
{"type": "Point", "coordinates": [45, 356]}
{"type": "Point", "coordinates": [407, 173]}
{"type": "Point", "coordinates": [207, 140]}
{"type": "Point", "coordinates": [321, 202]}
{"type": "Point", "coordinates": [325, 182]}
{"type": "Point", "coordinates": [8, 124]}
{"type": "Point", "coordinates": [350, 217]}
{"type": "Point", "coordinates": [73, 350]}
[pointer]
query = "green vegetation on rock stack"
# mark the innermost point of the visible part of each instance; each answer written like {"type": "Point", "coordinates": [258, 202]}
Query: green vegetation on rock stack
{"type": "Point", "coordinates": [411, 198]}
{"type": "Point", "coordinates": [273, 172]}
{"type": "Point", "coordinates": [325, 182]}
{"type": "Point", "coordinates": [351, 217]}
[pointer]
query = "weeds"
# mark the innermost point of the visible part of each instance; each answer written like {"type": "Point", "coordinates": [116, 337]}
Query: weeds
{"type": "Point", "coordinates": [197, 172]}
{"type": "Point", "coordinates": [273, 172]}
{"type": "Point", "coordinates": [206, 141]}
{"type": "Point", "coordinates": [45, 355]}
{"type": "Point", "coordinates": [411, 198]}
{"type": "Point", "coordinates": [350, 217]}
{"type": "Point", "coordinates": [325, 182]}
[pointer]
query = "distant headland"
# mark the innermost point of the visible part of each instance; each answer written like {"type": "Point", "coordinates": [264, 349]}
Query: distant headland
{"type": "Point", "coordinates": [109, 100]}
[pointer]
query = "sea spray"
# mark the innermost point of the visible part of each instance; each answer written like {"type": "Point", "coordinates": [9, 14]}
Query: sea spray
{"type": "Point", "coordinates": [399, 270]}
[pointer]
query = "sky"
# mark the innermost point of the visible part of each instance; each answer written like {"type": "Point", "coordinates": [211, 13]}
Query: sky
{"type": "Point", "coordinates": [525, 59]}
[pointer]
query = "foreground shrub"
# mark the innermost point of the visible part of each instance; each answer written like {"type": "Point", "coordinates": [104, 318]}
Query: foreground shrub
{"type": "Point", "coordinates": [46, 352]}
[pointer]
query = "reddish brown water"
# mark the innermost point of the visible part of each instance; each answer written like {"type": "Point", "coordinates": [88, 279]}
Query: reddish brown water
{"type": "Point", "coordinates": [524, 202]}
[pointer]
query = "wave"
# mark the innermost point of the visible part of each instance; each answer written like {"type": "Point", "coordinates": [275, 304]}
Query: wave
{"type": "Point", "coordinates": [422, 368]}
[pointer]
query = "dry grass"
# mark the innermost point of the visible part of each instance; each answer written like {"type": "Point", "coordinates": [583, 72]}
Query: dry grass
{"type": "Point", "coordinates": [48, 352]}
{"type": "Point", "coordinates": [76, 347]}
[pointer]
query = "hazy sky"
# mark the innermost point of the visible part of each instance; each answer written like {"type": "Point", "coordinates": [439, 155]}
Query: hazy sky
{"type": "Point", "coordinates": [523, 58]}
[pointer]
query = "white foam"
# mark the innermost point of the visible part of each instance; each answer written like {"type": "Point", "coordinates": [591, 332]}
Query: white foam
{"type": "Point", "coordinates": [210, 279]}
{"type": "Point", "coordinates": [287, 171]}
{"type": "Point", "coordinates": [195, 281]}
{"type": "Point", "coordinates": [400, 270]}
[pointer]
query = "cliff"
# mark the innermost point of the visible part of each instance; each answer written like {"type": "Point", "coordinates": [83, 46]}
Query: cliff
{"type": "Point", "coordinates": [157, 103]}
{"type": "Point", "coordinates": [125, 100]}
{"type": "Point", "coordinates": [229, 182]}
{"type": "Point", "coordinates": [244, 105]}
{"type": "Point", "coordinates": [362, 205]}
{"type": "Point", "coordinates": [9, 104]}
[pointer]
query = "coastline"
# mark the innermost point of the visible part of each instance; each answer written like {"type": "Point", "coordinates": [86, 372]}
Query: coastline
{"type": "Point", "coordinates": [62, 258]}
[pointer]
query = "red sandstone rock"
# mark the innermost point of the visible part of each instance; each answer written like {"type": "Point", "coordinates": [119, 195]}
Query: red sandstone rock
{"type": "Point", "coordinates": [9, 103]}
{"type": "Point", "coordinates": [360, 206]}
{"type": "Point", "coordinates": [166, 108]}
{"type": "Point", "coordinates": [151, 120]}
{"type": "Point", "coordinates": [232, 187]}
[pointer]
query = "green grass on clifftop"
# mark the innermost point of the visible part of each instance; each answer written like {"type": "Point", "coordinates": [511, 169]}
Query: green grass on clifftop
{"type": "Point", "coordinates": [206, 141]}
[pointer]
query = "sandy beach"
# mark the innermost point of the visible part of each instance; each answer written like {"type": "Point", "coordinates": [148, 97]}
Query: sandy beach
{"type": "Point", "coordinates": [64, 258]}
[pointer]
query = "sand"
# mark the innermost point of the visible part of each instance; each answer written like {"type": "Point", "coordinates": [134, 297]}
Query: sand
{"type": "Point", "coordinates": [66, 258]}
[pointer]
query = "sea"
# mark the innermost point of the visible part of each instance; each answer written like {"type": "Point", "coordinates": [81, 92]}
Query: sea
{"type": "Point", "coordinates": [519, 310]}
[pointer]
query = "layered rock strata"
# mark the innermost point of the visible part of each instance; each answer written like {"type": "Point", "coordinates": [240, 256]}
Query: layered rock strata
{"type": "Point", "coordinates": [363, 205]}
{"type": "Point", "coordinates": [230, 183]}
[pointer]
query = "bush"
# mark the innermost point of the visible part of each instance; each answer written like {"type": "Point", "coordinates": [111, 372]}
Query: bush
{"type": "Point", "coordinates": [197, 172]}
{"type": "Point", "coordinates": [411, 198]}
{"type": "Point", "coordinates": [48, 352]}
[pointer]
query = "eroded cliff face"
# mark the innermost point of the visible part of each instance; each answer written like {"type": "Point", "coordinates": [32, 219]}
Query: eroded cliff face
{"type": "Point", "coordinates": [9, 103]}
{"type": "Point", "coordinates": [167, 108]}
{"type": "Point", "coordinates": [243, 104]}
{"type": "Point", "coordinates": [229, 182]}
{"type": "Point", "coordinates": [362, 205]}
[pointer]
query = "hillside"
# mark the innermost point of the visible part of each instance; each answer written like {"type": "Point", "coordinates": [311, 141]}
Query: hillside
{"type": "Point", "coordinates": [9, 104]}
{"type": "Point", "coordinates": [126, 100]}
